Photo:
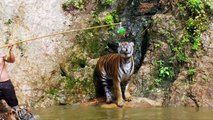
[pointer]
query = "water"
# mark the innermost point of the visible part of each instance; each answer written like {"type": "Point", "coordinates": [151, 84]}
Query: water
{"type": "Point", "coordinates": [97, 113]}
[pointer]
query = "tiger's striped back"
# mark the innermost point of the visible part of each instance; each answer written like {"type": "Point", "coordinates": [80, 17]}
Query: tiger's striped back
{"type": "Point", "coordinates": [112, 65]}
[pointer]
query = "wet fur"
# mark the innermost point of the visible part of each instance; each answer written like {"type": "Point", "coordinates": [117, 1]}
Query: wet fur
{"type": "Point", "coordinates": [8, 116]}
{"type": "Point", "coordinates": [20, 112]}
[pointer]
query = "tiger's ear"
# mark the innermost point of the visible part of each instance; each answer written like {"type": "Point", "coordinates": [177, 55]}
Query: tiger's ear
{"type": "Point", "coordinates": [119, 44]}
{"type": "Point", "coordinates": [131, 43]}
{"type": "Point", "coordinates": [13, 110]}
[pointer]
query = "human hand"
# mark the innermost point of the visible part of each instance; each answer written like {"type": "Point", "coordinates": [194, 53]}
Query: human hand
{"type": "Point", "coordinates": [10, 46]}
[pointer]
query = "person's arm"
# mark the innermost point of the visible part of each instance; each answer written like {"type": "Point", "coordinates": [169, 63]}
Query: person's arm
{"type": "Point", "coordinates": [10, 57]}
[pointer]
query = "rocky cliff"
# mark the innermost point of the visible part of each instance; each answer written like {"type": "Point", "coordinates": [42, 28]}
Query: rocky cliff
{"type": "Point", "coordinates": [37, 67]}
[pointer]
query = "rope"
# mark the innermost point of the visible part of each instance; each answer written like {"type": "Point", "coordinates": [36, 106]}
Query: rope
{"type": "Point", "coordinates": [54, 34]}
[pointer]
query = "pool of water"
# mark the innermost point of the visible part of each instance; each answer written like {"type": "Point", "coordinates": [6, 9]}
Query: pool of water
{"type": "Point", "coordinates": [97, 113]}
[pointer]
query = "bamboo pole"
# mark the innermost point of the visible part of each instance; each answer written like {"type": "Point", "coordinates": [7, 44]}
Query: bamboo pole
{"type": "Point", "coordinates": [59, 33]}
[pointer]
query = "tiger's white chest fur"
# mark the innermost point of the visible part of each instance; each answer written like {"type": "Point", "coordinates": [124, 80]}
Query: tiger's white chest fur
{"type": "Point", "coordinates": [126, 71]}
{"type": "Point", "coordinates": [127, 67]}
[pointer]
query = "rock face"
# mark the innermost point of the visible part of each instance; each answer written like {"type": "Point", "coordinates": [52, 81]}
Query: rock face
{"type": "Point", "coordinates": [197, 93]}
{"type": "Point", "coordinates": [37, 66]}
{"type": "Point", "coordinates": [146, 74]}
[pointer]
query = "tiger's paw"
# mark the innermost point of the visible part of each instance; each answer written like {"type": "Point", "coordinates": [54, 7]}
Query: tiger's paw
{"type": "Point", "coordinates": [129, 98]}
{"type": "Point", "coordinates": [120, 103]}
{"type": "Point", "coordinates": [109, 100]}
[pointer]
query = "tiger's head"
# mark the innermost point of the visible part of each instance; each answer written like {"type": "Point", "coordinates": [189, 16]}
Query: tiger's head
{"type": "Point", "coordinates": [126, 49]}
{"type": "Point", "coordinates": [22, 112]}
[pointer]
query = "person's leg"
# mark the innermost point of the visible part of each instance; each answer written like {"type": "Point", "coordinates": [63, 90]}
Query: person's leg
{"type": "Point", "coordinates": [9, 94]}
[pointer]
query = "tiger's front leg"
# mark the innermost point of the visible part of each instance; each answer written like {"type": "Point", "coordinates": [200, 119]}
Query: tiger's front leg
{"type": "Point", "coordinates": [118, 93]}
{"type": "Point", "coordinates": [127, 94]}
{"type": "Point", "coordinates": [108, 95]}
{"type": "Point", "coordinates": [107, 91]}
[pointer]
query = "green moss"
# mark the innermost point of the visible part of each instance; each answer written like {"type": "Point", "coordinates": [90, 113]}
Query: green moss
{"type": "Point", "coordinates": [53, 92]}
{"type": "Point", "coordinates": [93, 42]}
{"type": "Point", "coordinates": [78, 63]}
{"type": "Point", "coordinates": [79, 86]}
{"type": "Point", "coordinates": [191, 73]}
{"type": "Point", "coordinates": [109, 2]}
{"type": "Point", "coordinates": [78, 4]}
{"type": "Point", "coordinates": [73, 87]}
{"type": "Point", "coordinates": [70, 82]}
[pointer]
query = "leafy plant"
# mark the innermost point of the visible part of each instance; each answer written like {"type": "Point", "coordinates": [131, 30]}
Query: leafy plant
{"type": "Point", "coordinates": [190, 73]}
{"type": "Point", "coordinates": [177, 47]}
{"type": "Point", "coordinates": [108, 2]}
{"type": "Point", "coordinates": [195, 5]}
{"type": "Point", "coordinates": [157, 83]}
{"type": "Point", "coordinates": [164, 71]}
{"type": "Point", "coordinates": [109, 19]}
{"type": "Point", "coordinates": [195, 14]}
{"type": "Point", "coordinates": [78, 4]}
{"type": "Point", "coordinates": [197, 21]}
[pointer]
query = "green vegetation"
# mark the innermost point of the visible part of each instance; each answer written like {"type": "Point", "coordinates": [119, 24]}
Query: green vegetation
{"type": "Point", "coordinates": [195, 14]}
{"type": "Point", "coordinates": [109, 19]}
{"type": "Point", "coordinates": [73, 87]}
{"type": "Point", "coordinates": [78, 63]}
{"type": "Point", "coordinates": [206, 78]}
{"type": "Point", "coordinates": [53, 92]}
{"type": "Point", "coordinates": [164, 71]}
{"type": "Point", "coordinates": [165, 74]}
{"type": "Point", "coordinates": [190, 73]}
{"type": "Point", "coordinates": [74, 84]}
{"type": "Point", "coordinates": [108, 2]}
{"type": "Point", "coordinates": [77, 4]}
{"type": "Point", "coordinates": [95, 41]}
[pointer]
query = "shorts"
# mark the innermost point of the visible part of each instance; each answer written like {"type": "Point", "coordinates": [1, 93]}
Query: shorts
{"type": "Point", "coordinates": [7, 93]}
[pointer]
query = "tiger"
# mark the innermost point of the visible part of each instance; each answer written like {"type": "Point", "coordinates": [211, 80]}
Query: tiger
{"type": "Point", "coordinates": [115, 69]}
{"type": "Point", "coordinates": [8, 116]}
{"type": "Point", "coordinates": [22, 112]}
{"type": "Point", "coordinates": [19, 112]}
